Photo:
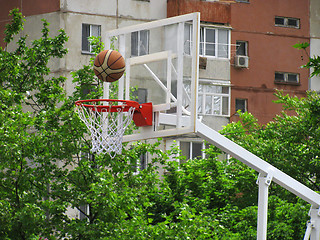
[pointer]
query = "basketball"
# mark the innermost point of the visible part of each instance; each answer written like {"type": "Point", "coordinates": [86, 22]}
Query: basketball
{"type": "Point", "coordinates": [109, 65]}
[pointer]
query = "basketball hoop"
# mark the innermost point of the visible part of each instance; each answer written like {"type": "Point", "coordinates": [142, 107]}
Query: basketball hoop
{"type": "Point", "coordinates": [107, 120]}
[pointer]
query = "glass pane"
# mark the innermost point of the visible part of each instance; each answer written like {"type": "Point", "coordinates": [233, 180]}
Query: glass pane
{"type": "Point", "coordinates": [218, 89]}
{"type": "Point", "coordinates": [85, 35]}
{"type": "Point", "coordinates": [279, 77]}
{"type": "Point", "coordinates": [196, 150]}
{"type": "Point", "coordinates": [210, 88]}
{"type": "Point", "coordinates": [241, 48]}
{"type": "Point", "coordinates": [201, 42]}
{"type": "Point", "coordinates": [185, 150]}
{"type": "Point", "coordinates": [200, 88]}
{"type": "Point", "coordinates": [217, 105]}
{"type": "Point", "coordinates": [187, 39]}
{"type": "Point", "coordinates": [223, 49]}
{"type": "Point", "coordinates": [279, 21]}
{"type": "Point", "coordinates": [225, 105]}
{"type": "Point", "coordinates": [134, 44]}
{"type": "Point", "coordinates": [187, 87]}
{"type": "Point", "coordinates": [208, 105]}
{"type": "Point", "coordinates": [241, 105]}
{"type": "Point", "coordinates": [200, 104]}
{"type": "Point", "coordinates": [210, 42]}
{"type": "Point", "coordinates": [143, 161]}
{"type": "Point", "coordinates": [144, 43]}
{"type": "Point", "coordinates": [292, 78]}
{"type": "Point", "coordinates": [95, 31]}
{"type": "Point", "coordinates": [293, 22]}
{"type": "Point", "coordinates": [225, 90]}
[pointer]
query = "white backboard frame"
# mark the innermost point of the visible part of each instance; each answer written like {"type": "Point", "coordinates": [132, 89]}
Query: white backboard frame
{"type": "Point", "coordinates": [183, 121]}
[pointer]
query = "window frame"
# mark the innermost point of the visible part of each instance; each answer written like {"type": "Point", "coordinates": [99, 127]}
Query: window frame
{"type": "Point", "coordinates": [246, 45]}
{"type": "Point", "coordinates": [203, 41]}
{"type": "Point", "coordinates": [204, 31]}
{"type": "Point", "coordinates": [140, 95]}
{"type": "Point", "coordinates": [286, 20]}
{"type": "Point", "coordinates": [191, 149]}
{"type": "Point", "coordinates": [286, 78]}
{"type": "Point", "coordinates": [89, 50]}
{"type": "Point", "coordinates": [202, 99]}
{"type": "Point", "coordinates": [245, 105]}
{"type": "Point", "coordinates": [140, 164]}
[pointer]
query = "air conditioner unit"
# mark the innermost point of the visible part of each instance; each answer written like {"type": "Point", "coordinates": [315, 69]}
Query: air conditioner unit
{"type": "Point", "coordinates": [241, 61]}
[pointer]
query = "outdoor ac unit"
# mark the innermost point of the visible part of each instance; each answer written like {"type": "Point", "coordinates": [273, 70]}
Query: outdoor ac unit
{"type": "Point", "coordinates": [241, 61]}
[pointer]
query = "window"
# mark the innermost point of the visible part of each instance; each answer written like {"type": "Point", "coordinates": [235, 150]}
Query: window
{"type": "Point", "coordinates": [84, 212]}
{"type": "Point", "coordinates": [140, 95]}
{"type": "Point", "coordinates": [87, 89]}
{"type": "Point", "coordinates": [214, 42]}
{"type": "Point", "coordinates": [192, 149]}
{"type": "Point", "coordinates": [241, 104]}
{"type": "Point", "coordinates": [286, 78]}
{"type": "Point", "coordinates": [213, 100]}
{"type": "Point", "coordinates": [89, 30]}
{"type": "Point", "coordinates": [84, 209]}
{"type": "Point", "coordinates": [140, 164]}
{"type": "Point", "coordinates": [140, 43]}
{"type": "Point", "coordinates": [287, 22]}
{"type": "Point", "coordinates": [242, 48]}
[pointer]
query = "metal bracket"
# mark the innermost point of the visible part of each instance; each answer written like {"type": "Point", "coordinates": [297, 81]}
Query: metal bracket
{"type": "Point", "coordinates": [268, 178]}
{"type": "Point", "coordinates": [310, 226]}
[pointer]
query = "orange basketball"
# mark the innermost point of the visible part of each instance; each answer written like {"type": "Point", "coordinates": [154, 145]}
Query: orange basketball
{"type": "Point", "coordinates": [109, 65]}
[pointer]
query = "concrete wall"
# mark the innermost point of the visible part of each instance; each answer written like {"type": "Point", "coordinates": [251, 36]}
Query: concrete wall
{"type": "Point", "coordinates": [109, 14]}
{"type": "Point", "coordinates": [132, 9]}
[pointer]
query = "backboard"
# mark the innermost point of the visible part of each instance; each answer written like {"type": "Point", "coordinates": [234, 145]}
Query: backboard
{"type": "Point", "coordinates": [161, 67]}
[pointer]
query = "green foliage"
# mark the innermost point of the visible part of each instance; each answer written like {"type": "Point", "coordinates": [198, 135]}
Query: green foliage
{"type": "Point", "coordinates": [314, 61]}
{"type": "Point", "coordinates": [15, 26]}
{"type": "Point", "coordinates": [46, 168]}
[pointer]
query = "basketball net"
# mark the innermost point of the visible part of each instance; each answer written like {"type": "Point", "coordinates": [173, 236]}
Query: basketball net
{"type": "Point", "coordinates": [106, 124]}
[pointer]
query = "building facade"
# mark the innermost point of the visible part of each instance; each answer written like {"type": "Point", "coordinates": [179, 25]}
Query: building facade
{"type": "Point", "coordinates": [261, 57]}
{"type": "Point", "coordinates": [246, 48]}
{"type": "Point", "coordinates": [265, 32]}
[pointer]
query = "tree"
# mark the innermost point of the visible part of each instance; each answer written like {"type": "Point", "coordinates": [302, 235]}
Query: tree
{"type": "Point", "coordinates": [313, 61]}
{"type": "Point", "coordinates": [46, 166]}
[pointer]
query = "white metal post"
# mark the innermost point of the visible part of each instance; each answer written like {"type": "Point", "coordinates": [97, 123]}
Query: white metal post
{"type": "Point", "coordinates": [169, 75]}
{"type": "Point", "coordinates": [106, 84]}
{"type": "Point", "coordinates": [315, 223]}
{"type": "Point", "coordinates": [122, 52]}
{"type": "Point", "coordinates": [180, 72]}
{"type": "Point", "coordinates": [195, 70]}
{"type": "Point", "coordinates": [263, 182]}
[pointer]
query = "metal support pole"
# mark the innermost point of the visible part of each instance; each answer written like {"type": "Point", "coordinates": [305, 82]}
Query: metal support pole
{"type": "Point", "coordinates": [314, 225]}
{"type": "Point", "coordinates": [263, 183]}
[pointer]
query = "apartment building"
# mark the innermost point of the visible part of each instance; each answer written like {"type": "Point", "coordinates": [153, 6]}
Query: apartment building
{"type": "Point", "coordinates": [261, 54]}
{"type": "Point", "coordinates": [246, 47]}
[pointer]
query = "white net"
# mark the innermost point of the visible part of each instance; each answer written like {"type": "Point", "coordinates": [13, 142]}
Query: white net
{"type": "Point", "coordinates": [106, 127]}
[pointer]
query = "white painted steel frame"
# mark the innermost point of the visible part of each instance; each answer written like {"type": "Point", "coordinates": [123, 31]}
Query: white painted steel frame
{"type": "Point", "coordinates": [181, 128]}
{"type": "Point", "coordinates": [267, 173]}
